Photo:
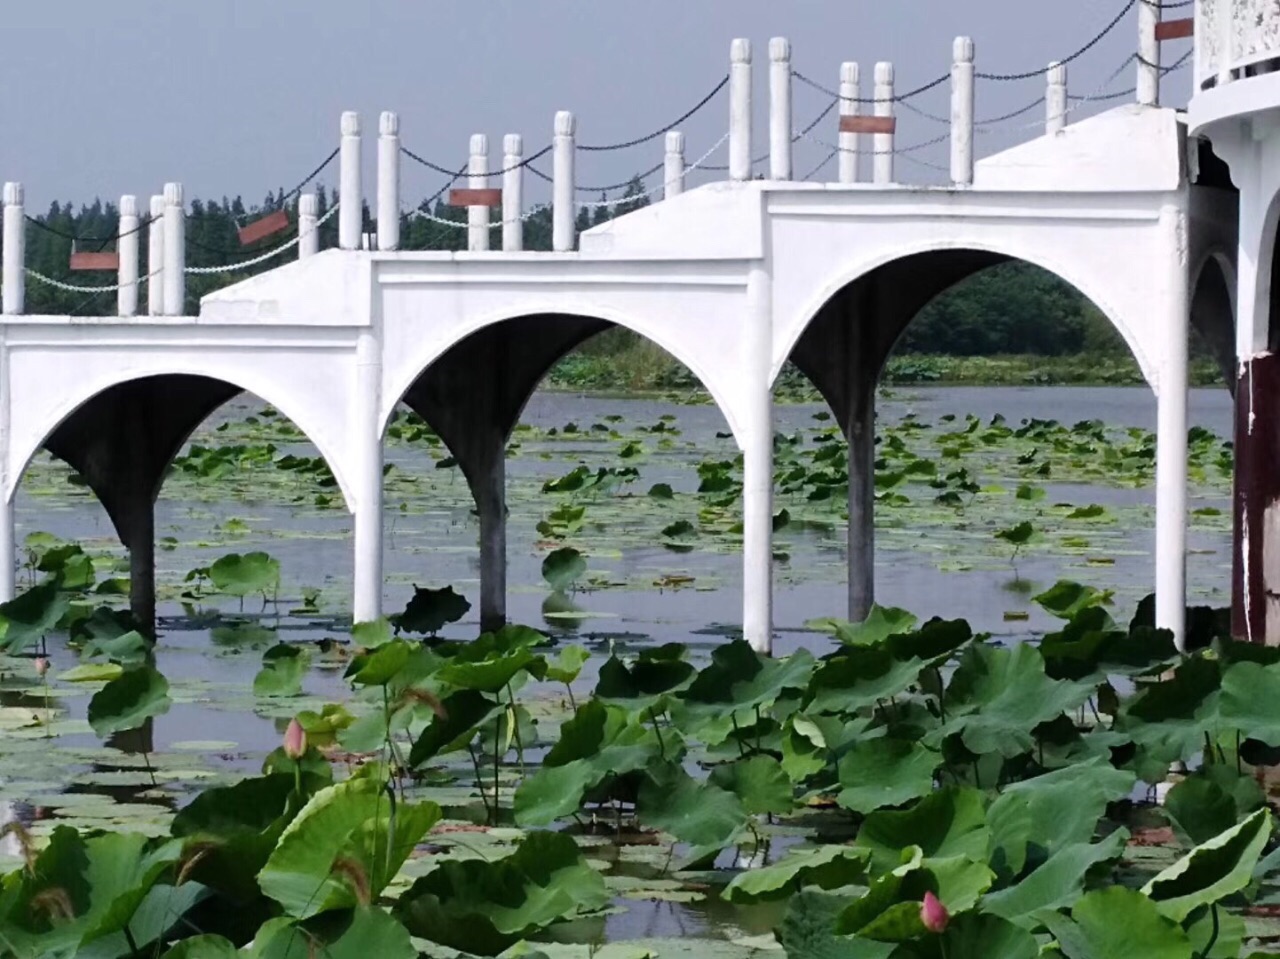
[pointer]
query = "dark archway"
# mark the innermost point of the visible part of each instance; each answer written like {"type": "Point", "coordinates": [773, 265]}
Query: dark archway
{"type": "Point", "coordinates": [843, 352]}
{"type": "Point", "coordinates": [121, 442]}
{"type": "Point", "coordinates": [473, 396]}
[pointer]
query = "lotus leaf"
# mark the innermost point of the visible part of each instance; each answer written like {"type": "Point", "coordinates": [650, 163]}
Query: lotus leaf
{"type": "Point", "coordinates": [245, 575]}
{"type": "Point", "coordinates": [885, 772]}
{"type": "Point", "coordinates": [1217, 868]}
{"type": "Point", "coordinates": [826, 867]}
{"type": "Point", "coordinates": [482, 906]}
{"type": "Point", "coordinates": [283, 667]}
{"type": "Point", "coordinates": [355, 822]}
{"type": "Point", "coordinates": [563, 567]}
{"type": "Point", "coordinates": [129, 701]}
{"type": "Point", "coordinates": [32, 614]}
{"type": "Point", "coordinates": [1117, 923]}
{"type": "Point", "coordinates": [430, 610]}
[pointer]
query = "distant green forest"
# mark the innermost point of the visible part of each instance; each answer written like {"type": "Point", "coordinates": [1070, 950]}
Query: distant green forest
{"type": "Point", "coordinates": [1012, 309]}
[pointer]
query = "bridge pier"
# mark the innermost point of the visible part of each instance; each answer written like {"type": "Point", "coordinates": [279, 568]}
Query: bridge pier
{"type": "Point", "coordinates": [497, 368]}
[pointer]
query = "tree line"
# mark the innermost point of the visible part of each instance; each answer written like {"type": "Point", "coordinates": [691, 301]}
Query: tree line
{"type": "Point", "coordinates": [1014, 308]}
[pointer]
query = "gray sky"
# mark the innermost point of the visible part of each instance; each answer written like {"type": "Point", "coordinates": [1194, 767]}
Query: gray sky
{"type": "Point", "coordinates": [104, 97]}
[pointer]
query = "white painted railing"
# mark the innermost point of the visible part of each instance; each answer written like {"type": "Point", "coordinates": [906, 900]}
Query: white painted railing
{"type": "Point", "coordinates": [1234, 35]}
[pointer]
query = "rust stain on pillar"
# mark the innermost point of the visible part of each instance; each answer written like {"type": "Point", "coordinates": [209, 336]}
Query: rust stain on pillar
{"type": "Point", "coordinates": [1255, 583]}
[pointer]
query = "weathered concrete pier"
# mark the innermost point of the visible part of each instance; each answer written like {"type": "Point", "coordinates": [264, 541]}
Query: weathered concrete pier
{"type": "Point", "coordinates": [732, 278]}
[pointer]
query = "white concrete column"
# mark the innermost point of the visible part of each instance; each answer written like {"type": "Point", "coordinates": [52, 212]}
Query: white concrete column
{"type": "Point", "coordinates": [883, 142]}
{"type": "Point", "coordinates": [478, 179]}
{"type": "Point", "coordinates": [367, 605]}
{"type": "Point", "coordinates": [563, 212]}
{"type": "Point", "coordinates": [14, 278]}
{"type": "Point", "coordinates": [127, 248]}
{"type": "Point", "coordinates": [309, 225]}
{"type": "Point", "coordinates": [850, 87]}
{"type": "Point", "coordinates": [757, 479]}
{"type": "Point", "coordinates": [8, 557]}
{"type": "Point", "coordinates": [155, 258]}
{"type": "Point", "coordinates": [512, 192]}
{"type": "Point", "coordinates": [962, 96]}
{"type": "Point", "coordinates": [1055, 99]}
{"type": "Point", "coordinates": [673, 166]}
{"type": "Point", "coordinates": [388, 181]}
{"type": "Point", "coordinates": [1148, 53]}
{"type": "Point", "coordinates": [350, 189]}
{"type": "Point", "coordinates": [174, 276]}
{"type": "Point", "coordinates": [780, 100]}
{"type": "Point", "coordinates": [740, 110]}
{"type": "Point", "coordinates": [1171, 432]}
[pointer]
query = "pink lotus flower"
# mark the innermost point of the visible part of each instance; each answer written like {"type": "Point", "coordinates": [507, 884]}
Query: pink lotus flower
{"type": "Point", "coordinates": [295, 740]}
{"type": "Point", "coordinates": [933, 913]}
{"type": "Point", "coordinates": [42, 665]}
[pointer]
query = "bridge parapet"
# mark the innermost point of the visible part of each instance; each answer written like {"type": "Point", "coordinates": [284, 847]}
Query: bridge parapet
{"type": "Point", "coordinates": [1235, 39]}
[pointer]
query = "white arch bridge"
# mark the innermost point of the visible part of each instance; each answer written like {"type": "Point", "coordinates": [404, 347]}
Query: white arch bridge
{"type": "Point", "coordinates": [733, 279]}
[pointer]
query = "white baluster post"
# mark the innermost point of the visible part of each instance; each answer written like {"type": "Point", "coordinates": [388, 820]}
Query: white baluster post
{"type": "Point", "coordinates": [780, 101]}
{"type": "Point", "coordinates": [1055, 99]}
{"type": "Point", "coordinates": [673, 166]}
{"type": "Point", "coordinates": [740, 110]}
{"type": "Point", "coordinates": [962, 96]}
{"type": "Point", "coordinates": [351, 214]}
{"type": "Point", "coordinates": [850, 85]}
{"type": "Point", "coordinates": [388, 181]}
{"type": "Point", "coordinates": [155, 258]}
{"type": "Point", "coordinates": [478, 179]}
{"type": "Point", "coordinates": [127, 249]}
{"type": "Point", "coordinates": [309, 225]}
{"type": "Point", "coordinates": [883, 142]}
{"type": "Point", "coordinates": [512, 193]}
{"type": "Point", "coordinates": [15, 246]}
{"type": "Point", "coordinates": [175, 251]}
{"type": "Point", "coordinates": [1148, 53]}
{"type": "Point", "coordinates": [562, 204]}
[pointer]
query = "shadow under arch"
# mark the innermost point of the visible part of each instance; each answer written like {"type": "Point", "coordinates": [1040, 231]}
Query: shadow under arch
{"type": "Point", "coordinates": [1213, 312]}
{"type": "Point", "coordinates": [472, 395]}
{"type": "Point", "coordinates": [894, 287]}
{"type": "Point", "coordinates": [121, 438]}
{"type": "Point", "coordinates": [842, 350]}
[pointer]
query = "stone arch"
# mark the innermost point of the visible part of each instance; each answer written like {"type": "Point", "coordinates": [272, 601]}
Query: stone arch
{"type": "Point", "coordinates": [473, 392]}
{"type": "Point", "coordinates": [220, 382]}
{"type": "Point", "coordinates": [588, 323]}
{"type": "Point", "coordinates": [963, 260]}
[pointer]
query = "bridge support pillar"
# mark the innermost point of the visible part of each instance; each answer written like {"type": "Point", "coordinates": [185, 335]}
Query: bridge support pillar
{"type": "Point", "coordinates": [490, 492]}
{"type": "Point", "coordinates": [862, 372]}
{"type": "Point", "coordinates": [139, 536]}
{"type": "Point", "coordinates": [1171, 436]}
{"type": "Point", "coordinates": [8, 561]}
{"type": "Point", "coordinates": [757, 482]}
{"type": "Point", "coordinates": [367, 604]}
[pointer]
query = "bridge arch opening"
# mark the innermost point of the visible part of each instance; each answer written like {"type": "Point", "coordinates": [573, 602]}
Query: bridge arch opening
{"type": "Point", "coordinates": [919, 302]}
{"type": "Point", "coordinates": [129, 442]}
{"type": "Point", "coordinates": [607, 476]}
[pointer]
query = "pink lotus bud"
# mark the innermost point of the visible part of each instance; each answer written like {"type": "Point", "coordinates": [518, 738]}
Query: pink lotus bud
{"type": "Point", "coordinates": [295, 740]}
{"type": "Point", "coordinates": [42, 665]}
{"type": "Point", "coordinates": [933, 913]}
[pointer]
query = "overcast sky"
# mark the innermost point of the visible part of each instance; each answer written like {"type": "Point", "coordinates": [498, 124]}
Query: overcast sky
{"type": "Point", "coordinates": [104, 97]}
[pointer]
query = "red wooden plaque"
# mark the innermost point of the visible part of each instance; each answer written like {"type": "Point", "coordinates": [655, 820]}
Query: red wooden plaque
{"type": "Point", "coordinates": [1175, 29]}
{"type": "Point", "coordinates": [264, 227]}
{"type": "Point", "coordinates": [868, 124]}
{"type": "Point", "coordinates": [95, 261]}
{"type": "Point", "coordinates": [475, 198]}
